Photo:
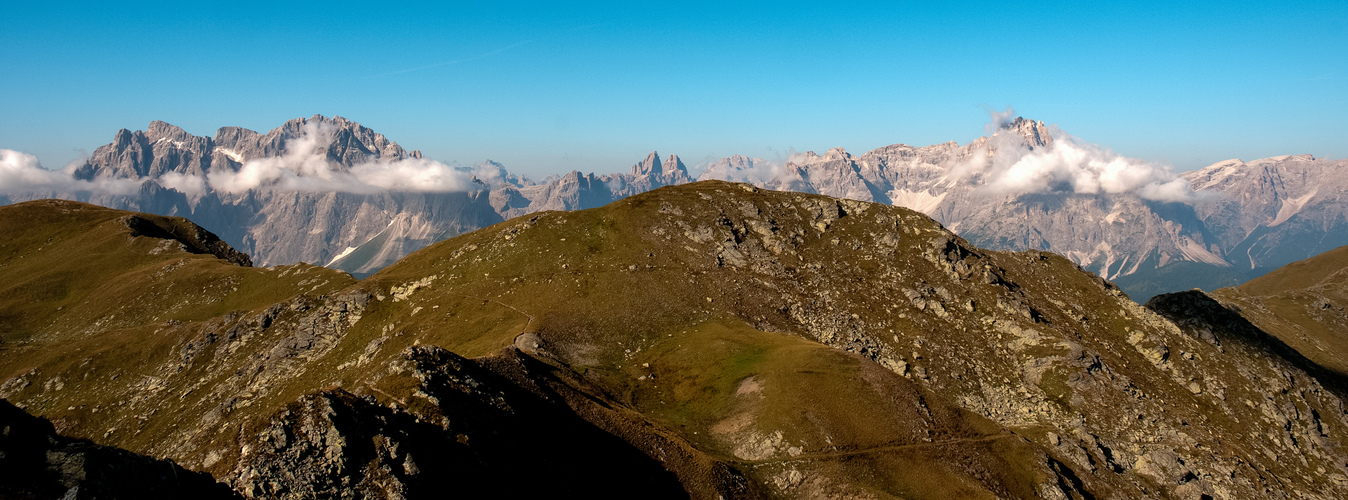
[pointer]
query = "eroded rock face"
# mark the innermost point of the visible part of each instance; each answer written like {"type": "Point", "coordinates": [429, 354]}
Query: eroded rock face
{"type": "Point", "coordinates": [1271, 212]}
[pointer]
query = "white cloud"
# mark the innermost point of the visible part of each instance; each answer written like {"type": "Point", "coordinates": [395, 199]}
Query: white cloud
{"type": "Point", "coordinates": [1068, 165]}
{"type": "Point", "coordinates": [305, 167]}
{"type": "Point", "coordinates": [413, 174]}
{"type": "Point", "coordinates": [999, 119]}
{"type": "Point", "coordinates": [21, 173]}
{"type": "Point", "coordinates": [191, 185]}
{"type": "Point", "coordinates": [740, 168]}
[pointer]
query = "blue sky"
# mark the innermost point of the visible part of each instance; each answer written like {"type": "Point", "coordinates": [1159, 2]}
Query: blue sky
{"type": "Point", "coordinates": [546, 88]}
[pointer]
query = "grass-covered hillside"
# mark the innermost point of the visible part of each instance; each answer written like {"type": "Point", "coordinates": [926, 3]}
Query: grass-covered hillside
{"type": "Point", "coordinates": [701, 340]}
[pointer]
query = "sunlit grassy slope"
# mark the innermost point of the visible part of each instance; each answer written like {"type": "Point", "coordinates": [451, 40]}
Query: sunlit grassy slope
{"type": "Point", "coordinates": [1304, 304]}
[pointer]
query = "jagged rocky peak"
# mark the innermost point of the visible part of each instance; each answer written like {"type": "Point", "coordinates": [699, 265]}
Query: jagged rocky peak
{"type": "Point", "coordinates": [348, 143]}
{"type": "Point", "coordinates": [343, 141]}
{"type": "Point", "coordinates": [671, 166]}
{"type": "Point", "coordinates": [163, 130]}
{"type": "Point", "coordinates": [738, 161]}
{"type": "Point", "coordinates": [1034, 132]}
{"type": "Point", "coordinates": [736, 168]}
{"type": "Point", "coordinates": [833, 154]}
{"type": "Point", "coordinates": [494, 174]}
{"type": "Point", "coordinates": [673, 163]}
{"type": "Point", "coordinates": [837, 154]}
{"type": "Point", "coordinates": [160, 148]}
{"type": "Point", "coordinates": [650, 165]}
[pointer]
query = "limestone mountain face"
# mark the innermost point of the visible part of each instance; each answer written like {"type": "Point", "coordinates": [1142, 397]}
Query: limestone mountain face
{"type": "Point", "coordinates": [1271, 212]}
{"type": "Point", "coordinates": [1242, 218]}
{"type": "Point", "coordinates": [738, 168]}
{"type": "Point", "coordinates": [709, 339]}
{"type": "Point", "coordinates": [1114, 235]}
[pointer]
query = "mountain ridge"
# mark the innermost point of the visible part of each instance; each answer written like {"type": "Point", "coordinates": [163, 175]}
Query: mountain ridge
{"type": "Point", "coordinates": [1242, 219]}
{"type": "Point", "coordinates": [709, 314]}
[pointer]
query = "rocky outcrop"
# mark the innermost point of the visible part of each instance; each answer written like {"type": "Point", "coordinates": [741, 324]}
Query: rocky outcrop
{"type": "Point", "coordinates": [465, 429]}
{"type": "Point", "coordinates": [192, 237]}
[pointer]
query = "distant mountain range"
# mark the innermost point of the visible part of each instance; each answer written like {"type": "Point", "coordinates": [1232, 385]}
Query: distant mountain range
{"type": "Point", "coordinates": [332, 192]}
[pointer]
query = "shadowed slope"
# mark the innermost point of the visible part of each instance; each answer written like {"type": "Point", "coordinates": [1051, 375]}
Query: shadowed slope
{"type": "Point", "coordinates": [36, 463]}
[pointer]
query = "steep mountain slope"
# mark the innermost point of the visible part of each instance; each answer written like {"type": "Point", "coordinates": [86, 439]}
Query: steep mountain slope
{"type": "Point", "coordinates": [1272, 212]}
{"type": "Point", "coordinates": [745, 342]}
{"type": "Point", "coordinates": [1303, 304]}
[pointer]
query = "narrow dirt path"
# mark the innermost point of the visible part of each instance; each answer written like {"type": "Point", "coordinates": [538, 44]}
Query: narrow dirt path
{"type": "Point", "coordinates": [527, 316]}
{"type": "Point", "coordinates": [842, 454]}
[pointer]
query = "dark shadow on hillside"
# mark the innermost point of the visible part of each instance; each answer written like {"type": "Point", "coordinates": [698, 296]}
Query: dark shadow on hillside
{"type": "Point", "coordinates": [495, 427]}
{"type": "Point", "coordinates": [1197, 313]}
{"type": "Point", "coordinates": [37, 463]}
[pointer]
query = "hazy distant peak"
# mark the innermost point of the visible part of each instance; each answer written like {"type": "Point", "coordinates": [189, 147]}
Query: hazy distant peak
{"type": "Point", "coordinates": [673, 163]}
{"type": "Point", "coordinates": [648, 166]}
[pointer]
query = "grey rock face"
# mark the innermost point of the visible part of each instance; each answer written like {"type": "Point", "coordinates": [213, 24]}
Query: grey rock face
{"type": "Point", "coordinates": [1271, 212]}
{"type": "Point", "coordinates": [1244, 217]}
{"type": "Point", "coordinates": [1112, 234]}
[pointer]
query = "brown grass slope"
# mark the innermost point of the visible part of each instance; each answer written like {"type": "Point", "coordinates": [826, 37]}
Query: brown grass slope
{"type": "Point", "coordinates": [681, 279]}
{"type": "Point", "coordinates": [746, 342]}
{"type": "Point", "coordinates": [119, 334]}
{"type": "Point", "coordinates": [1304, 304]}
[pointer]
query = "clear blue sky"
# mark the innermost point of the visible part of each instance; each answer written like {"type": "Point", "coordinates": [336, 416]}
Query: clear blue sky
{"type": "Point", "coordinates": [544, 88]}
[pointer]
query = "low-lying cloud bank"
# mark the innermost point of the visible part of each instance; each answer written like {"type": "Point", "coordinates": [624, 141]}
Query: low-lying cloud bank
{"type": "Point", "coordinates": [1069, 165]}
{"type": "Point", "coordinates": [305, 167]}
{"type": "Point", "coordinates": [22, 173]}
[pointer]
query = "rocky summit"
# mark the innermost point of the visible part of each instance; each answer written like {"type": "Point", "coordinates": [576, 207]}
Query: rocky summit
{"type": "Point", "coordinates": [704, 340]}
